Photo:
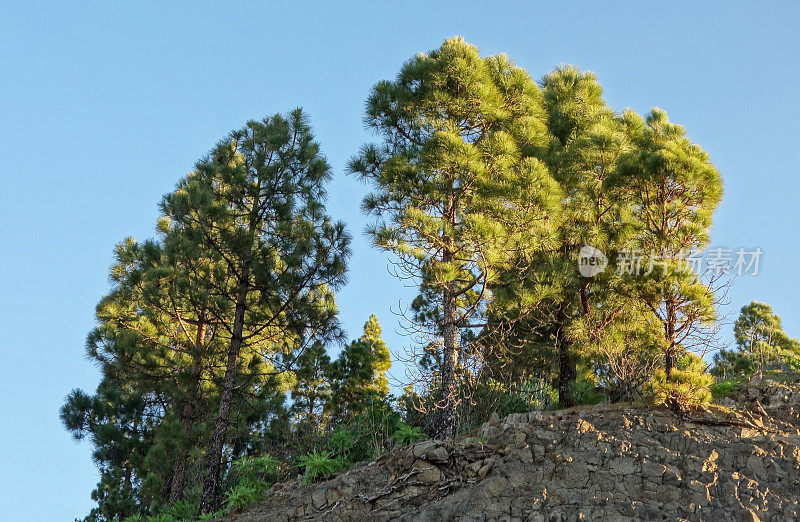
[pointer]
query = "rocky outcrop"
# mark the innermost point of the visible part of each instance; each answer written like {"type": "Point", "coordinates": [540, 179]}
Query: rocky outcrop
{"type": "Point", "coordinates": [608, 462]}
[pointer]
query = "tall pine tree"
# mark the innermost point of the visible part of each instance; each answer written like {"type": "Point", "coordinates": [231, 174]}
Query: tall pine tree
{"type": "Point", "coordinates": [358, 375]}
{"type": "Point", "coordinates": [674, 189]}
{"type": "Point", "coordinates": [457, 189]}
{"type": "Point", "coordinates": [253, 210]}
{"type": "Point", "coordinates": [587, 141]}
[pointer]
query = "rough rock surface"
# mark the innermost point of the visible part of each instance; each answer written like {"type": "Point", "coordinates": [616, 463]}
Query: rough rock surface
{"type": "Point", "coordinates": [603, 463]}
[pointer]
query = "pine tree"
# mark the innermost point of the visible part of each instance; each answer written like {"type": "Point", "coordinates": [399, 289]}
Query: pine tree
{"type": "Point", "coordinates": [587, 142]}
{"type": "Point", "coordinates": [311, 391]}
{"type": "Point", "coordinates": [674, 189]}
{"type": "Point", "coordinates": [212, 315]}
{"type": "Point", "coordinates": [762, 344]}
{"type": "Point", "coordinates": [381, 359]}
{"type": "Point", "coordinates": [160, 352]}
{"type": "Point", "coordinates": [150, 340]}
{"type": "Point", "coordinates": [759, 332]}
{"type": "Point", "coordinates": [115, 419]}
{"type": "Point", "coordinates": [458, 191]}
{"type": "Point", "coordinates": [358, 375]}
{"type": "Point", "coordinates": [170, 341]}
{"type": "Point", "coordinates": [252, 212]}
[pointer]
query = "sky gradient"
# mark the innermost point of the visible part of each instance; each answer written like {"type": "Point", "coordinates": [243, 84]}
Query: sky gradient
{"type": "Point", "coordinates": [105, 108]}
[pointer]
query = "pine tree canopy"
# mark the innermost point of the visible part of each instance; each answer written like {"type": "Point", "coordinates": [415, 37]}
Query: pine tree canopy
{"type": "Point", "coordinates": [459, 191]}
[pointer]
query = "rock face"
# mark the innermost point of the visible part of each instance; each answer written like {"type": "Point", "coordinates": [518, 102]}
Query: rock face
{"type": "Point", "coordinates": [603, 463]}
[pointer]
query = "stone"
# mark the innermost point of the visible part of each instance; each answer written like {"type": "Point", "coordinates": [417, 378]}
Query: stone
{"type": "Point", "coordinates": [438, 455]}
{"type": "Point", "coordinates": [486, 468]}
{"type": "Point", "coordinates": [653, 470]}
{"type": "Point", "coordinates": [318, 498]}
{"type": "Point", "coordinates": [600, 463]}
{"type": "Point", "coordinates": [430, 450]}
{"type": "Point", "coordinates": [427, 472]}
{"type": "Point", "coordinates": [421, 448]}
{"type": "Point", "coordinates": [488, 431]}
{"type": "Point", "coordinates": [755, 465]}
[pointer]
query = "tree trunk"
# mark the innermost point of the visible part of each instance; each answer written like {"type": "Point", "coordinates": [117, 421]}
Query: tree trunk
{"type": "Point", "coordinates": [671, 352]}
{"type": "Point", "coordinates": [213, 461]}
{"type": "Point", "coordinates": [446, 422]}
{"type": "Point", "coordinates": [188, 417]}
{"type": "Point", "coordinates": [670, 358]}
{"type": "Point", "coordinates": [178, 480]}
{"type": "Point", "coordinates": [585, 295]}
{"type": "Point", "coordinates": [567, 370]}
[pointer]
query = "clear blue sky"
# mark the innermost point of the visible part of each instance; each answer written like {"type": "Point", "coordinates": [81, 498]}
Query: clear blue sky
{"type": "Point", "coordinates": [104, 108]}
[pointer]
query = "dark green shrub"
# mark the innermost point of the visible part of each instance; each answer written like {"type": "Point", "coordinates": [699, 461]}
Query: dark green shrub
{"type": "Point", "coordinates": [342, 442]}
{"type": "Point", "coordinates": [319, 465]}
{"type": "Point", "coordinates": [181, 511]}
{"type": "Point", "coordinates": [407, 435]}
{"type": "Point", "coordinates": [724, 388]}
{"type": "Point", "coordinates": [478, 401]}
{"type": "Point", "coordinates": [371, 431]}
{"type": "Point", "coordinates": [254, 477]}
{"type": "Point", "coordinates": [584, 392]}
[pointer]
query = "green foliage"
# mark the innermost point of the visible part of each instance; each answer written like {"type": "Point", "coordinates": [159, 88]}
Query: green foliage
{"type": "Point", "coordinates": [542, 396]}
{"type": "Point", "coordinates": [674, 190]}
{"type": "Point", "coordinates": [112, 420]}
{"type": "Point", "coordinates": [358, 376]}
{"type": "Point", "coordinates": [342, 441]}
{"type": "Point", "coordinates": [584, 392]}
{"type": "Point", "coordinates": [241, 496]}
{"type": "Point", "coordinates": [458, 190]}
{"type": "Point", "coordinates": [252, 215]}
{"type": "Point", "coordinates": [254, 477]}
{"type": "Point", "coordinates": [587, 143]}
{"type": "Point", "coordinates": [407, 435]}
{"type": "Point", "coordinates": [311, 389]}
{"type": "Point", "coordinates": [481, 399]}
{"type": "Point", "coordinates": [491, 396]}
{"type": "Point", "coordinates": [762, 346]}
{"type": "Point", "coordinates": [689, 384]}
{"type": "Point", "coordinates": [203, 324]}
{"type": "Point", "coordinates": [733, 364]}
{"type": "Point", "coordinates": [624, 358]}
{"type": "Point", "coordinates": [478, 440]}
{"type": "Point", "coordinates": [364, 437]}
{"type": "Point", "coordinates": [724, 388]}
{"type": "Point", "coordinates": [178, 512]}
{"type": "Point", "coordinates": [485, 187]}
{"type": "Point", "coordinates": [372, 430]}
{"type": "Point", "coordinates": [319, 465]}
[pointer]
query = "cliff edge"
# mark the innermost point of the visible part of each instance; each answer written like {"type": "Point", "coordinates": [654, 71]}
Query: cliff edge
{"type": "Point", "coordinates": [608, 462]}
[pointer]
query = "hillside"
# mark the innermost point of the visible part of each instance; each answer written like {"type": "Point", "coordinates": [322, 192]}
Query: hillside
{"type": "Point", "coordinates": [608, 462]}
